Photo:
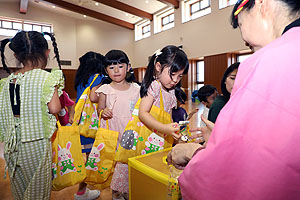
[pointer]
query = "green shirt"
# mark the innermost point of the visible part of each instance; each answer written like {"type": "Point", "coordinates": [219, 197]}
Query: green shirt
{"type": "Point", "coordinates": [216, 107]}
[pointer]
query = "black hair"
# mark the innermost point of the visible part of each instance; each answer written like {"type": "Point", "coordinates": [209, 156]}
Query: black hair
{"type": "Point", "coordinates": [205, 91]}
{"type": "Point", "coordinates": [230, 69]}
{"type": "Point", "coordinates": [180, 96]}
{"type": "Point", "coordinates": [91, 63]}
{"type": "Point", "coordinates": [29, 47]}
{"type": "Point", "coordinates": [294, 7]}
{"type": "Point", "coordinates": [170, 56]}
{"type": "Point", "coordinates": [114, 57]}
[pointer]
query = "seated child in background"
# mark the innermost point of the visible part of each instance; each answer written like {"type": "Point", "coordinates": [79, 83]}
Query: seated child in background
{"type": "Point", "coordinates": [179, 113]}
{"type": "Point", "coordinates": [66, 116]}
{"type": "Point", "coordinates": [207, 95]}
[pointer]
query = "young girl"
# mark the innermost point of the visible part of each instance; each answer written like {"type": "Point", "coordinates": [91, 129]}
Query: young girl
{"type": "Point", "coordinates": [29, 98]}
{"type": "Point", "coordinates": [164, 73]}
{"type": "Point", "coordinates": [116, 103]}
{"type": "Point", "coordinates": [91, 63]}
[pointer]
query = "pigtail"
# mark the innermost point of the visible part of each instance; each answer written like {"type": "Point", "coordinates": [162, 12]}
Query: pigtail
{"type": "Point", "coordinates": [55, 47]}
{"type": "Point", "coordinates": [149, 76]}
{"type": "Point", "coordinates": [3, 44]}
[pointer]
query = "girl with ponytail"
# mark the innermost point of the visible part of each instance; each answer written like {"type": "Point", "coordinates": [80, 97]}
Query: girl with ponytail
{"type": "Point", "coordinates": [164, 73]}
{"type": "Point", "coordinates": [29, 98]}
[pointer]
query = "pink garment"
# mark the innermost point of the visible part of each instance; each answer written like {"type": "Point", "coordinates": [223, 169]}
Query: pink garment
{"type": "Point", "coordinates": [122, 104]}
{"type": "Point", "coordinates": [254, 152]}
{"type": "Point", "coordinates": [169, 97]}
{"type": "Point", "coordinates": [63, 115]}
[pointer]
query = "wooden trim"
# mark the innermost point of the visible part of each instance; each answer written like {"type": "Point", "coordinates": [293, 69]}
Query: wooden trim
{"type": "Point", "coordinates": [23, 6]}
{"type": "Point", "coordinates": [126, 8]}
{"type": "Point", "coordinates": [172, 3]}
{"type": "Point", "coordinates": [91, 13]}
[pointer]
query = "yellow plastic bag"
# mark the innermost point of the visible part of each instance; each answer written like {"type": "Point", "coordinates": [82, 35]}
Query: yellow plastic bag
{"type": "Point", "coordinates": [67, 160]}
{"type": "Point", "coordinates": [86, 113]}
{"type": "Point", "coordinates": [100, 163]}
{"type": "Point", "coordinates": [138, 139]}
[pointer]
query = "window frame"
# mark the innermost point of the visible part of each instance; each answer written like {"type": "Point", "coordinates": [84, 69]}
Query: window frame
{"type": "Point", "coordinates": [23, 22]}
{"type": "Point", "coordinates": [200, 9]}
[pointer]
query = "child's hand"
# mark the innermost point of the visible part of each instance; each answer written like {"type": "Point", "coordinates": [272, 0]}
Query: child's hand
{"type": "Point", "coordinates": [107, 114]}
{"type": "Point", "coordinates": [173, 130]}
{"type": "Point", "coordinates": [71, 120]}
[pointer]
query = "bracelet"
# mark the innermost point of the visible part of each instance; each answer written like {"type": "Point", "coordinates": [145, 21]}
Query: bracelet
{"type": "Point", "coordinates": [200, 148]}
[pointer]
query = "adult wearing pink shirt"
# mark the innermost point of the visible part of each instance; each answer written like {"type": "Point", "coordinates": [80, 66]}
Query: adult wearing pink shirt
{"type": "Point", "coordinates": [254, 149]}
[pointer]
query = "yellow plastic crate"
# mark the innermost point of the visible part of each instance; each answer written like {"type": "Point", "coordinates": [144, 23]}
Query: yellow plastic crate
{"type": "Point", "coordinates": [148, 176]}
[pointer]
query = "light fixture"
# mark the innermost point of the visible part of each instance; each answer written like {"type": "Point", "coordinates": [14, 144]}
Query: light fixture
{"type": "Point", "coordinates": [146, 1]}
{"type": "Point", "coordinates": [126, 14]}
{"type": "Point", "coordinates": [97, 4]}
{"type": "Point", "coordinates": [84, 15]}
{"type": "Point", "coordinates": [53, 6]}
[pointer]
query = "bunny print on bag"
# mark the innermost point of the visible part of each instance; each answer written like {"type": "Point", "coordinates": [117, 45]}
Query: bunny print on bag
{"type": "Point", "coordinates": [65, 160]}
{"type": "Point", "coordinates": [154, 143]}
{"type": "Point", "coordinates": [94, 158]}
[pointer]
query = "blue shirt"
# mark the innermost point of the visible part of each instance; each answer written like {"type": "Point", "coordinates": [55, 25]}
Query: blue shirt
{"type": "Point", "coordinates": [80, 88]}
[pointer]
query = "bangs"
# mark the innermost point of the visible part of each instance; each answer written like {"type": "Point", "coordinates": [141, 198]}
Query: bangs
{"type": "Point", "coordinates": [179, 63]}
{"type": "Point", "coordinates": [116, 57]}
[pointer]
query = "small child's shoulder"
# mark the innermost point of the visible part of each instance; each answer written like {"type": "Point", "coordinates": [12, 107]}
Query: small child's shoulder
{"type": "Point", "coordinates": [105, 88]}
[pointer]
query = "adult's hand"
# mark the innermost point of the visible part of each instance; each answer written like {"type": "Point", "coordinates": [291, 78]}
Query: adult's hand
{"type": "Point", "coordinates": [205, 131]}
{"type": "Point", "coordinates": [182, 153]}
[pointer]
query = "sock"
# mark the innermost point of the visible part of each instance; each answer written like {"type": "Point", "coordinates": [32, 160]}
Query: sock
{"type": "Point", "coordinates": [82, 192]}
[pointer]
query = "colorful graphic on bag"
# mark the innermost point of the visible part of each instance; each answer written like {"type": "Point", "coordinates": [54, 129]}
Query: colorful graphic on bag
{"type": "Point", "coordinates": [130, 139]}
{"type": "Point", "coordinates": [65, 160]}
{"type": "Point", "coordinates": [154, 143]}
{"type": "Point", "coordinates": [54, 167]}
{"type": "Point", "coordinates": [84, 116]}
{"type": "Point", "coordinates": [94, 158]}
{"type": "Point", "coordinates": [94, 119]}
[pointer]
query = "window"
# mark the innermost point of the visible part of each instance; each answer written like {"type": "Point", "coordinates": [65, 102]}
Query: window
{"type": "Point", "coordinates": [167, 21]}
{"type": "Point", "coordinates": [193, 9]}
{"type": "Point", "coordinates": [164, 20]}
{"type": "Point", "coordinates": [242, 57]}
{"type": "Point", "coordinates": [9, 26]}
{"type": "Point", "coordinates": [142, 30]}
{"type": "Point", "coordinates": [199, 74]}
{"type": "Point", "coordinates": [226, 3]}
{"type": "Point", "coordinates": [146, 29]}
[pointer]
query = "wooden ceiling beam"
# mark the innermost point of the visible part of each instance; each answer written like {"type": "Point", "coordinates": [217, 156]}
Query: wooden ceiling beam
{"type": "Point", "coordinates": [91, 13]}
{"type": "Point", "coordinates": [126, 8]}
{"type": "Point", "coordinates": [173, 3]}
{"type": "Point", "coordinates": [23, 6]}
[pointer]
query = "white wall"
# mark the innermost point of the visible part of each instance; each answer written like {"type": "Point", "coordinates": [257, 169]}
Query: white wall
{"type": "Point", "coordinates": [74, 37]}
{"type": "Point", "coordinates": [208, 35]}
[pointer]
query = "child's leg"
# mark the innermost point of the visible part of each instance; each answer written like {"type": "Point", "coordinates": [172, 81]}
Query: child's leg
{"type": "Point", "coordinates": [119, 183]}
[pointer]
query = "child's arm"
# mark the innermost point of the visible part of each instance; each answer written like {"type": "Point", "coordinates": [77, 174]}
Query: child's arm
{"type": "Point", "coordinates": [107, 113]}
{"type": "Point", "coordinates": [71, 113]}
{"type": "Point", "coordinates": [93, 95]}
{"type": "Point", "coordinates": [192, 113]}
{"type": "Point", "coordinates": [145, 117]}
{"type": "Point", "coordinates": [54, 105]}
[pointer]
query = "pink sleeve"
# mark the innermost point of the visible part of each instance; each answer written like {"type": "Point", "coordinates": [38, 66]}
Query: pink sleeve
{"type": "Point", "coordinates": [105, 89]}
{"type": "Point", "coordinates": [68, 101]}
{"type": "Point", "coordinates": [153, 89]}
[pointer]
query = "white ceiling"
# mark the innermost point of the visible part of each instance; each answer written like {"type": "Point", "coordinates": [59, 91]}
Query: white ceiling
{"type": "Point", "coordinates": [151, 7]}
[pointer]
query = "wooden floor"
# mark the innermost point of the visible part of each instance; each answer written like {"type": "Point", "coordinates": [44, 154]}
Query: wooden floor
{"type": "Point", "coordinates": [68, 193]}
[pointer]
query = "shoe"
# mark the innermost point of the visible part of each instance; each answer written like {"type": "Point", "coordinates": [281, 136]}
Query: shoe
{"type": "Point", "coordinates": [88, 195]}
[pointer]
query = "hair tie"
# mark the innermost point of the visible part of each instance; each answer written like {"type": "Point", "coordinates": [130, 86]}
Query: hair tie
{"type": "Point", "coordinates": [157, 52]}
{"type": "Point", "coordinates": [10, 39]}
{"type": "Point", "coordinates": [240, 7]}
{"type": "Point", "coordinates": [43, 34]}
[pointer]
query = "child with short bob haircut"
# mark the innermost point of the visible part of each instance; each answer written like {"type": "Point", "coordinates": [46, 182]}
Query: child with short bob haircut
{"type": "Point", "coordinates": [116, 103]}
